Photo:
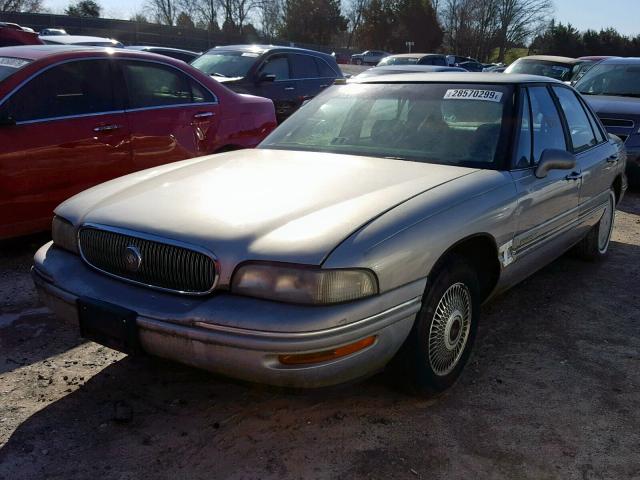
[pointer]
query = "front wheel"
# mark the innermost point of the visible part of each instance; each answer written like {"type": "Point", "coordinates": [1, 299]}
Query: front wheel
{"type": "Point", "coordinates": [442, 337]}
{"type": "Point", "coordinates": [596, 244]}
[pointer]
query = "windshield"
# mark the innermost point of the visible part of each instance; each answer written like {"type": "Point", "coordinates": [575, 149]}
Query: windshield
{"type": "Point", "coordinates": [453, 124]}
{"type": "Point", "coordinates": [10, 65]}
{"type": "Point", "coordinates": [608, 79]}
{"type": "Point", "coordinates": [559, 71]}
{"type": "Point", "coordinates": [226, 64]}
{"type": "Point", "coordinates": [398, 61]}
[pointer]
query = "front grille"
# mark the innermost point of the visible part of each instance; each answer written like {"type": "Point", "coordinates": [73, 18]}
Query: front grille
{"type": "Point", "coordinates": [160, 264]}
{"type": "Point", "coordinates": [617, 122]}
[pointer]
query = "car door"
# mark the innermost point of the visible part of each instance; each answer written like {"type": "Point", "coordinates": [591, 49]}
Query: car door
{"type": "Point", "coordinates": [596, 157]}
{"type": "Point", "coordinates": [172, 116]}
{"type": "Point", "coordinates": [306, 73]}
{"type": "Point", "coordinates": [70, 133]}
{"type": "Point", "coordinates": [281, 88]}
{"type": "Point", "coordinates": [547, 207]}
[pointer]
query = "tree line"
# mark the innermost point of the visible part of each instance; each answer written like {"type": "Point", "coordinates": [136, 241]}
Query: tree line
{"type": "Point", "coordinates": [483, 29]}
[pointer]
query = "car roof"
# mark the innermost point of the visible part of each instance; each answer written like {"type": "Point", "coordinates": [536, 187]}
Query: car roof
{"type": "Point", "coordinates": [260, 48]}
{"type": "Point", "coordinates": [550, 58]}
{"type": "Point", "coordinates": [457, 77]}
{"type": "Point", "coordinates": [622, 61]}
{"type": "Point", "coordinates": [156, 47]}
{"type": "Point", "coordinates": [38, 52]}
{"type": "Point", "coordinates": [416, 55]}
{"type": "Point", "coordinates": [71, 39]}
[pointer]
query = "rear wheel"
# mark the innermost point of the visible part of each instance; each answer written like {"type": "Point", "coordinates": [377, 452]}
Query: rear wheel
{"type": "Point", "coordinates": [596, 244]}
{"type": "Point", "coordinates": [442, 337]}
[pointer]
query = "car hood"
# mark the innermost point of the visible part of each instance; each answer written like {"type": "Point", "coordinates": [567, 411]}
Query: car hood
{"type": "Point", "coordinates": [276, 205]}
{"type": "Point", "coordinates": [605, 104]}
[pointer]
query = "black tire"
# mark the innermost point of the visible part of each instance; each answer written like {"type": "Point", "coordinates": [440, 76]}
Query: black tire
{"type": "Point", "coordinates": [593, 246]}
{"type": "Point", "coordinates": [413, 365]}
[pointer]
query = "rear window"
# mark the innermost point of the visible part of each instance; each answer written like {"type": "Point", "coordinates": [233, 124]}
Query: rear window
{"type": "Point", "coordinates": [10, 65]}
{"type": "Point", "coordinates": [545, 68]}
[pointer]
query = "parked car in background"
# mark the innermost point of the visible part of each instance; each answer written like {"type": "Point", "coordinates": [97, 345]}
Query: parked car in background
{"type": "Point", "coordinates": [341, 58]}
{"type": "Point", "coordinates": [612, 88]}
{"type": "Point", "coordinates": [177, 53]}
{"type": "Point", "coordinates": [370, 226]}
{"type": "Point", "coordinates": [584, 64]}
{"type": "Point", "coordinates": [414, 59]}
{"type": "Point", "coordinates": [368, 57]}
{"type": "Point", "coordinates": [397, 69]}
{"type": "Point", "coordinates": [560, 68]}
{"type": "Point", "coordinates": [53, 31]}
{"type": "Point", "coordinates": [73, 117]}
{"type": "Point", "coordinates": [495, 68]}
{"type": "Point", "coordinates": [469, 64]}
{"type": "Point", "coordinates": [12, 34]}
{"type": "Point", "coordinates": [80, 40]}
{"type": "Point", "coordinates": [288, 76]}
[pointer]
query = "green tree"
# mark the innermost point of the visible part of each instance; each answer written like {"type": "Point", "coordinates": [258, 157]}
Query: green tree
{"type": "Point", "coordinates": [417, 23]}
{"type": "Point", "coordinates": [312, 21]}
{"type": "Point", "coordinates": [84, 8]}
{"type": "Point", "coordinates": [377, 25]}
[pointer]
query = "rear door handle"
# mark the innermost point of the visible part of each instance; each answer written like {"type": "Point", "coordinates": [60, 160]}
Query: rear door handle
{"type": "Point", "coordinates": [288, 89]}
{"type": "Point", "coordinates": [574, 176]}
{"type": "Point", "coordinates": [204, 115]}
{"type": "Point", "coordinates": [324, 86]}
{"type": "Point", "coordinates": [107, 128]}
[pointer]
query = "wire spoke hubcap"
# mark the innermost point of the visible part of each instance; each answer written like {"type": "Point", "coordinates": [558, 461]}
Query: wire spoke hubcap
{"type": "Point", "coordinates": [450, 329]}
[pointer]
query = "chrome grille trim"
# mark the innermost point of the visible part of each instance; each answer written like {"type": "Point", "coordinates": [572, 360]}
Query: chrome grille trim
{"type": "Point", "coordinates": [175, 266]}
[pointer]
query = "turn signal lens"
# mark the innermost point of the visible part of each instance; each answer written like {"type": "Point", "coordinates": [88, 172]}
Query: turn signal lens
{"type": "Point", "coordinates": [326, 355]}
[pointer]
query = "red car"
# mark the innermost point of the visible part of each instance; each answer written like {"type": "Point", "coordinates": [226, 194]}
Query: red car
{"type": "Point", "coordinates": [73, 117]}
{"type": "Point", "coordinates": [13, 34]}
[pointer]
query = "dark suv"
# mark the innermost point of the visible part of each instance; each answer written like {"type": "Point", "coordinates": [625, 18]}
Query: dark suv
{"type": "Point", "coordinates": [286, 75]}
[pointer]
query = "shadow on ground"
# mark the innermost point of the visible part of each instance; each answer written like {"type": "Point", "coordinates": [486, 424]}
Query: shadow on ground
{"type": "Point", "coordinates": [549, 393]}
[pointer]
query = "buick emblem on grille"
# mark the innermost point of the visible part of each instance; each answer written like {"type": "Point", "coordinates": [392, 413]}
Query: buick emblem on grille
{"type": "Point", "coordinates": [132, 258]}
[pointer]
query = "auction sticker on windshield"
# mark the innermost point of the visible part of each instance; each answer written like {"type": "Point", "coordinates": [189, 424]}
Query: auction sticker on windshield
{"type": "Point", "coordinates": [473, 94]}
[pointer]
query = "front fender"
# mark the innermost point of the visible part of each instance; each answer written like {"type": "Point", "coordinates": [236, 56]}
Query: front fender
{"type": "Point", "coordinates": [404, 244]}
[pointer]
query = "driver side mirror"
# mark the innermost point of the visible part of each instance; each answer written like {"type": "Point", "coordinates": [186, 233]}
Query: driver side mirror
{"type": "Point", "coordinates": [266, 77]}
{"type": "Point", "coordinates": [554, 159]}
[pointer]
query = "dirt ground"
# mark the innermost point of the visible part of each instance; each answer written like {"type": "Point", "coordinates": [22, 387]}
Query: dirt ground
{"type": "Point", "coordinates": [552, 391]}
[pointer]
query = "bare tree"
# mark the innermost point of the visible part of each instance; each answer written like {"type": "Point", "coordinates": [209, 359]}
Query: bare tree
{"type": "Point", "coordinates": [519, 20]}
{"type": "Point", "coordinates": [164, 11]}
{"type": "Point", "coordinates": [271, 17]}
{"type": "Point", "coordinates": [354, 15]}
{"type": "Point", "coordinates": [29, 6]}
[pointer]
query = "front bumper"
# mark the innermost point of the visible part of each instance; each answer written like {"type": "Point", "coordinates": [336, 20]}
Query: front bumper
{"type": "Point", "coordinates": [238, 336]}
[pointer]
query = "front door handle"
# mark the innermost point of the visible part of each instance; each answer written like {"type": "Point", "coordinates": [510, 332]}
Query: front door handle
{"type": "Point", "coordinates": [289, 89]}
{"type": "Point", "coordinates": [574, 176]}
{"type": "Point", "coordinates": [613, 158]}
{"type": "Point", "coordinates": [107, 128]}
{"type": "Point", "coordinates": [204, 115]}
{"type": "Point", "coordinates": [324, 86]}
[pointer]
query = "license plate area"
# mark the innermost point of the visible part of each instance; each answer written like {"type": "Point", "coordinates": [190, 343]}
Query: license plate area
{"type": "Point", "coordinates": [109, 325]}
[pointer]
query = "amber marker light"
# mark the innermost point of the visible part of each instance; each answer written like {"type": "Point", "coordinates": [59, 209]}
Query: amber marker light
{"type": "Point", "coordinates": [318, 357]}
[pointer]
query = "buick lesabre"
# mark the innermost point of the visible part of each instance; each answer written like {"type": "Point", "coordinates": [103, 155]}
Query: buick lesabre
{"type": "Point", "coordinates": [366, 230]}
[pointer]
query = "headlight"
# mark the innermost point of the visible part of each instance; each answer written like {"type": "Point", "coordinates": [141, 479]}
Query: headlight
{"type": "Point", "coordinates": [63, 234]}
{"type": "Point", "coordinates": [306, 285]}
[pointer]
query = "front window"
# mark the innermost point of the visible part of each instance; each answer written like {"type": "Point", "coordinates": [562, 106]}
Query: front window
{"type": "Point", "coordinates": [10, 65]}
{"type": "Point", "coordinates": [226, 64]}
{"type": "Point", "coordinates": [611, 79]}
{"type": "Point", "coordinates": [559, 71]}
{"type": "Point", "coordinates": [459, 124]}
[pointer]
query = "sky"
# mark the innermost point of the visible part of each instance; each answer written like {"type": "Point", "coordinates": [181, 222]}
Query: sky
{"type": "Point", "coordinates": [623, 15]}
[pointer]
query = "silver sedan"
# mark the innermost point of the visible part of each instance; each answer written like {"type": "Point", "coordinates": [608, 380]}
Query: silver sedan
{"type": "Point", "coordinates": [366, 230]}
